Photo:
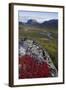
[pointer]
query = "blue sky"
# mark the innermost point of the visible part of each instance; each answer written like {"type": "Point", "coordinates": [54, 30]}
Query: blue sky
{"type": "Point", "coordinates": [24, 16]}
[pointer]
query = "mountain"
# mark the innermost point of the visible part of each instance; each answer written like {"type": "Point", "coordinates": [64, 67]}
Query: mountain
{"type": "Point", "coordinates": [32, 22]}
{"type": "Point", "coordinates": [51, 24]}
{"type": "Point", "coordinates": [20, 23]}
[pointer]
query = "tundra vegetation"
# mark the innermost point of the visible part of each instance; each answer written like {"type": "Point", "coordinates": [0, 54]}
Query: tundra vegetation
{"type": "Point", "coordinates": [45, 34]}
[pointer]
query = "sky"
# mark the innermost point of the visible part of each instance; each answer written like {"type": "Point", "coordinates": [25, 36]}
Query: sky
{"type": "Point", "coordinates": [24, 16]}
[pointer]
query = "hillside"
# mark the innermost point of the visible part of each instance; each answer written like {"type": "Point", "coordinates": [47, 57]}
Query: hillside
{"type": "Point", "coordinates": [46, 34]}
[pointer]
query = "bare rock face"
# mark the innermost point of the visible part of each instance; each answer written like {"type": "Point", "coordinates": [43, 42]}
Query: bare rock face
{"type": "Point", "coordinates": [34, 61]}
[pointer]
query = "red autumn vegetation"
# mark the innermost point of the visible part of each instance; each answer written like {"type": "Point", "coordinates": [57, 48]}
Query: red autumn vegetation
{"type": "Point", "coordinates": [31, 68]}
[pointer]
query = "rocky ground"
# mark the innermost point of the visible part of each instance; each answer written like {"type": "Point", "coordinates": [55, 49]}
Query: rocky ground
{"type": "Point", "coordinates": [34, 62]}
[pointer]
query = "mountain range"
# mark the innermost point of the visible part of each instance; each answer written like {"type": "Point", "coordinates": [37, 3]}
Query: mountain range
{"type": "Point", "coordinates": [46, 24]}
